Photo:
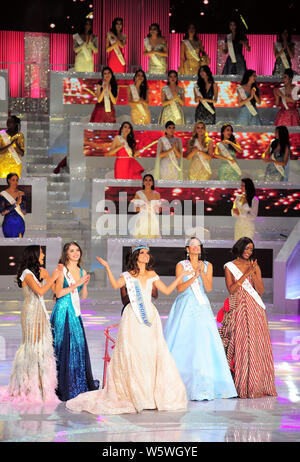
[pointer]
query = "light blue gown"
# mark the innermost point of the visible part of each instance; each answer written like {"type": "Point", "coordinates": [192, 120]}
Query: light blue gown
{"type": "Point", "coordinates": [193, 339]}
{"type": "Point", "coordinates": [245, 118]}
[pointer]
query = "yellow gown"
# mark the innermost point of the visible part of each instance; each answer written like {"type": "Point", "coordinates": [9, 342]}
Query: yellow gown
{"type": "Point", "coordinates": [140, 115]}
{"type": "Point", "coordinates": [84, 58]}
{"type": "Point", "coordinates": [197, 170]}
{"type": "Point", "coordinates": [8, 163]}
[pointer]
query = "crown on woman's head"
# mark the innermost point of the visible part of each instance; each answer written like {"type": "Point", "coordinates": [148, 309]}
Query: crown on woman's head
{"type": "Point", "coordinates": [139, 245]}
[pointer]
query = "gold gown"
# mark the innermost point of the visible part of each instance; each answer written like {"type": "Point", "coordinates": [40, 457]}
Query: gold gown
{"type": "Point", "coordinates": [172, 112]}
{"type": "Point", "coordinates": [197, 170]}
{"type": "Point", "coordinates": [8, 163]}
{"type": "Point", "coordinates": [84, 59]}
{"type": "Point", "coordinates": [140, 115]}
{"type": "Point", "coordinates": [191, 64]}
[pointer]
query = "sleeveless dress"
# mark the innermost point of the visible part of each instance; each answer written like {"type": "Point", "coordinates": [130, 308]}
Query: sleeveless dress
{"type": "Point", "coordinates": [272, 174]}
{"type": "Point", "coordinates": [245, 221]}
{"type": "Point", "coordinates": [202, 114]}
{"type": "Point", "coordinates": [164, 168]}
{"type": "Point", "coordinates": [155, 67]}
{"type": "Point", "coordinates": [140, 115]}
{"type": "Point", "coordinates": [288, 117]}
{"type": "Point", "coordinates": [226, 172]}
{"type": "Point", "coordinates": [100, 115]}
{"type": "Point", "coordinates": [279, 66]}
{"type": "Point", "coordinates": [246, 338]}
{"type": "Point", "coordinates": [142, 373]}
{"type": "Point", "coordinates": [193, 339]}
{"type": "Point", "coordinates": [13, 224]}
{"type": "Point", "coordinates": [84, 59]}
{"type": "Point", "coordinates": [245, 117]}
{"type": "Point", "coordinates": [191, 64]}
{"type": "Point", "coordinates": [239, 67]}
{"type": "Point", "coordinates": [33, 377]}
{"type": "Point", "coordinates": [8, 163]}
{"type": "Point", "coordinates": [74, 372]}
{"type": "Point", "coordinates": [146, 223]}
{"type": "Point", "coordinates": [197, 170]}
{"type": "Point", "coordinates": [168, 113]}
{"type": "Point", "coordinates": [114, 63]}
{"type": "Point", "coordinates": [127, 167]}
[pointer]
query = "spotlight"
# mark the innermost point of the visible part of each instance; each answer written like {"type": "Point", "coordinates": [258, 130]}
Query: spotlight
{"type": "Point", "coordinates": [90, 5]}
{"type": "Point", "coordinates": [173, 31]}
{"type": "Point", "coordinates": [206, 2]}
{"type": "Point", "coordinates": [170, 14]}
{"type": "Point", "coordinates": [52, 25]}
{"type": "Point", "coordinates": [202, 13]}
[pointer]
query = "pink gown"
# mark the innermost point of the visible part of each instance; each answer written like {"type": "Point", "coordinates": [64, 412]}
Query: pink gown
{"type": "Point", "coordinates": [142, 373]}
{"type": "Point", "coordinates": [127, 167]}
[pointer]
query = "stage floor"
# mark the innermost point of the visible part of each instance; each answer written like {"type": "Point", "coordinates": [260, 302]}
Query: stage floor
{"type": "Point", "coordinates": [263, 419]}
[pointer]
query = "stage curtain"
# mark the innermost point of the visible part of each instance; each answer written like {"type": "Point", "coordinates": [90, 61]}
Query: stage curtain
{"type": "Point", "coordinates": [12, 56]}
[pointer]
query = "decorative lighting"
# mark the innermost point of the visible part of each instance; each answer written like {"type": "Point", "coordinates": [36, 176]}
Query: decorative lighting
{"type": "Point", "coordinates": [173, 31]}
{"type": "Point", "coordinates": [170, 14]}
{"type": "Point", "coordinates": [206, 2]}
{"type": "Point", "coordinates": [52, 25]}
{"type": "Point", "coordinates": [202, 13]}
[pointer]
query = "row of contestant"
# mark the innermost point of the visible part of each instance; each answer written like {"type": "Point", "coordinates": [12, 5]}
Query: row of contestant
{"type": "Point", "coordinates": [147, 203]}
{"type": "Point", "coordinates": [200, 150]}
{"type": "Point", "coordinates": [192, 53]}
{"type": "Point", "coordinates": [205, 94]}
{"type": "Point", "coordinates": [147, 371]}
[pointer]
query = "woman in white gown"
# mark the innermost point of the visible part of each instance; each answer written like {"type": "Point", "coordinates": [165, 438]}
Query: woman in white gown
{"type": "Point", "coordinates": [147, 203]}
{"type": "Point", "coordinates": [245, 208]}
{"type": "Point", "coordinates": [33, 377]}
{"type": "Point", "coordinates": [169, 155]}
{"type": "Point", "coordinates": [142, 373]}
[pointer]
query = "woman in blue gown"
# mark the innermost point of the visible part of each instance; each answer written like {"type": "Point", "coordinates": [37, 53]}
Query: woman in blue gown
{"type": "Point", "coordinates": [74, 374]}
{"type": "Point", "coordinates": [192, 335]}
{"type": "Point", "coordinates": [13, 208]}
{"type": "Point", "coordinates": [248, 97]}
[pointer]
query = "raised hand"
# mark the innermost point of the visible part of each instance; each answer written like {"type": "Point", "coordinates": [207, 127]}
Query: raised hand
{"type": "Point", "coordinates": [103, 262]}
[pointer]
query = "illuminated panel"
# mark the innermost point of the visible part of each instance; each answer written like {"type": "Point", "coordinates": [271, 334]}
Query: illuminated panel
{"type": "Point", "coordinates": [218, 201]}
{"type": "Point", "coordinates": [82, 91]}
{"type": "Point", "coordinates": [97, 142]}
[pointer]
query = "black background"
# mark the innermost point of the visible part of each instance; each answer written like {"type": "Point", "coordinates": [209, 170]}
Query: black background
{"type": "Point", "coordinates": [166, 259]}
{"type": "Point", "coordinates": [15, 251]}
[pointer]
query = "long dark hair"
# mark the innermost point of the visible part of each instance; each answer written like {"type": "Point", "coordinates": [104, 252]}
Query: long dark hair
{"type": "Point", "coordinates": [232, 137]}
{"type": "Point", "coordinates": [17, 121]}
{"type": "Point", "coordinates": [200, 81]}
{"type": "Point", "coordinates": [158, 29]}
{"type": "Point", "coordinates": [30, 260]}
{"type": "Point", "coordinates": [151, 176]}
{"type": "Point", "coordinates": [289, 38]}
{"type": "Point", "coordinates": [113, 26]}
{"type": "Point", "coordinates": [113, 81]}
{"type": "Point", "coordinates": [240, 245]}
{"type": "Point", "coordinates": [250, 190]}
{"type": "Point", "coordinates": [82, 28]}
{"type": "Point", "coordinates": [131, 262]}
{"type": "Point", "coordinates": [186, 36]}
{"type": "Point", "coordinates": [289, 72]}
{"type": "Point", "coordinates": [144, 84]}
{"type": "Point", "coordinates": [283, 139]}
{"type": "Point", "coordinates": [201, 256]}
{"type": "Point", "coordinates": [239, 34]}
{"type": "Point", "coordinates": [172, 71]}
{"type": "Point", "coordinates": [64, 255]}
{"type": "Point", "coordinates": [130, 137]}
{"type": "Point", "coordinates": [246, 77]}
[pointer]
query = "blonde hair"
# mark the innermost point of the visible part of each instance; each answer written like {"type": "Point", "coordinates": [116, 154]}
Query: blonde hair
{"type": "Point", "coordinates": [207, 139]}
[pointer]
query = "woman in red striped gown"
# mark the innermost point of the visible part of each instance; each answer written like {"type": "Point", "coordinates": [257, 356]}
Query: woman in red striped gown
{"type": "Point", "coordinates": [244, 331]}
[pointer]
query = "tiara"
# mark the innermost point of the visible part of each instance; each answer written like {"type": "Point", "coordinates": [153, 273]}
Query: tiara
{"type": "Point", "coordinates": [188, 241]}
{"type": "Point", "coordinates": [139, 245]}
